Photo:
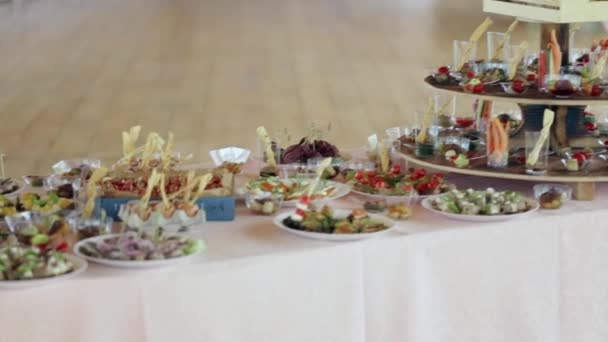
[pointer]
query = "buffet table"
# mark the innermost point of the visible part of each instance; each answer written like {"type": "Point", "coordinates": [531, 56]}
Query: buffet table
{"type": "Point", "coordinates": [539, 279]}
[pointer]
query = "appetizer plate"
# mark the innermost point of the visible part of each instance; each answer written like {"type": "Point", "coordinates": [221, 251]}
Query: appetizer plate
{"type": "Point", "coordinates": [340, 190]}
{"type": "Point", "coordinates": [129, 263]}
{"type": "Point", "coordinates": [391, 225]}
{"type": "Point", "coordinates": [533, 204]}
{"type": "Point", "coordinates": [80, 265]}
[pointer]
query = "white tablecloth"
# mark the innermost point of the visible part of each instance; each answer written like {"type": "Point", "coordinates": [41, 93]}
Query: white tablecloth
{"type": "Point", "coordinates": [544, 278]}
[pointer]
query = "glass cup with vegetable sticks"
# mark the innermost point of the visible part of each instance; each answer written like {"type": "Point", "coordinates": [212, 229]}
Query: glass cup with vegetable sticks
{"type": "Point", "coordinates": [497, 144]}
{"type": "Point", "coordinates": [537, 161]}
{"type": "Point", "coordinates": [465, 53]}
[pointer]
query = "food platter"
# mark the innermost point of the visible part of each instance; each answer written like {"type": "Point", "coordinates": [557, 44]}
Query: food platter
{"type": "Point", "coordinates": [531, 97]}
{"type": "Point", "coordinates": [391, 225]}
{"type": "Point", "coordinates": [131, 264]}
{"type": "Point", "coordinates": [293, 188]}
{"type": "Point", "coordinates": [533, 204]}
{"type": "Point", "coordinates": [340, 190]}
{"type": "Point", "coordinates": [584, 183]}
{"type": "Point", "coordinates": [80, 265]}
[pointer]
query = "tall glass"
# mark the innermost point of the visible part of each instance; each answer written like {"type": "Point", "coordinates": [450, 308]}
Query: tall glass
{"type": "Point", "coordinates": [539, 166]}
{"type": "Point", "coordinates": [464, 52]}
{"type": "Point", "coordinates": [495, 39]}
{"type": "Point", "coordinates": [445, 108]}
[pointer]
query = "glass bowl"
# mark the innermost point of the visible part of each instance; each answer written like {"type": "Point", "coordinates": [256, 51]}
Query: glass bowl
{"type": "Point", "coordinates": [552, 196]}
{"type": "Point", "coordinates": [264, 203]}
{"type": "Point", "coordinates": [36, 229]}
{"type": "Point", "coordinates": [86, 227]}
{"type": "Point", "coordinates": [562, 86]}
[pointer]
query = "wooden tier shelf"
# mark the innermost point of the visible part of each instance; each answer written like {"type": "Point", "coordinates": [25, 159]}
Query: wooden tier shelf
{"type": "Point", "coordinates": [583, 181]}
{"type": "Point", "coordinates": [532, 96]}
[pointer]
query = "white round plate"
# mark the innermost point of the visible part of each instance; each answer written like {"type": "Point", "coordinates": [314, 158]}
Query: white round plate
{"type": "Point", "coordinates": [427, 204]}
{"type": "Point", "coordinates": [278, 221]}
{"type": "Point", "coordinates": [129, 263]}
{"type": "Point", "coordinates": [340, 190]}
{"type": "Point", "coordinates": [80, 265]}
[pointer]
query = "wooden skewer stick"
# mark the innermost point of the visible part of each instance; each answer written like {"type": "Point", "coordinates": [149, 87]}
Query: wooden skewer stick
{"type": "Point", "coordinates": [263, 135]}
{"type": "Point", "coordinates": [2, 173]}
{"type": "Point", "coordinates": [325, 163]}
{"type": "Point", "coordinates": [384, 158]}
{"type": "Point", "coordinates": [204, 180]}
{"type": "Point", "coordinates": [479, 31]}
{"type": "Point", "coordinates": [426, 121]}
{"type": "Point", "coordinates": [445, 105]}
{"type": "Point", "coordinates": [519, 54]}
{"type": "Point", "coordinates": [503, 42]}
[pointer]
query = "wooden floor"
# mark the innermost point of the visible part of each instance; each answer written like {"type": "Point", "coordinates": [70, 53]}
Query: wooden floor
{"type": "Point", "coordinates": [74, 73]}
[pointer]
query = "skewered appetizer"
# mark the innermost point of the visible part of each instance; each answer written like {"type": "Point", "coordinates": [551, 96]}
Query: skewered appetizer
{"type": "Point", "coordinates": [18, 262]}
{"type": "Point", "coordinates": [481, 202]}
{"type": "Point", "coordinates": [171, 210]}
{"type": "Point", "coordinates": [290, 189]}
{"type": "Point", "coordinates": [129, 176]}
{"type": "Point", "coordinates": [145, 246]}
{"type": "Point", "coordinates": [324, 221]}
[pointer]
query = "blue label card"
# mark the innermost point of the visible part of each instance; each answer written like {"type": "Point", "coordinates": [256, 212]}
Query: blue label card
{"type": "Point", "coordinates": [216, 208]}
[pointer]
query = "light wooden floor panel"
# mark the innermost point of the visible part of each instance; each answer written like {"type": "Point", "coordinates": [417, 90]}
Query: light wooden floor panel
{"type": "Point", "coordinates": [75, 73]}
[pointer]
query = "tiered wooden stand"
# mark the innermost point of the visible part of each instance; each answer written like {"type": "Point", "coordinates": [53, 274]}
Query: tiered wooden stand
{"type": "Point", "coordinates": [567, 132]}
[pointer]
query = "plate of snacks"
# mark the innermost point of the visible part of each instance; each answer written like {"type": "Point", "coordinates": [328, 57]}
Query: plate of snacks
{"type": "Point", "coordinates": [27, 201]}
{"type": "Point", "coordinates": [486, 205]}
{"type": "Point", "coordinates": [334, 225]}
{"type": "Point", "coordinates": [292, 189]}
{"type": "Point", "coordinates": [395, 183]}
{"type": "Point", "coordinates": [24, 266]}
{"type": "Point", "coordinates": [139, 250]}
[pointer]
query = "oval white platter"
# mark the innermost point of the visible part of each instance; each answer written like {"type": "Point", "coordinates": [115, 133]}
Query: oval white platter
{"type": "Point", "coordinates": [534, 205]}
{"type": "Point", "coordinates": [137, 264]}
{"type": "Point", "coordinates": [80, 265]}
{"type": "Point", "coordinates": [342, 213]}
{"type": "Point", "coordinates": [340, 190]}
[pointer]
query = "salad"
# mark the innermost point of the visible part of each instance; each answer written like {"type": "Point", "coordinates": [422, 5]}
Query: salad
{"type": "Point", "coordinates": [481, 202]}
{"type": "Point", "coordinates": [324, 221]}
{"type": "Point", "coordinates": [141, 246]}
{"type": "Point", "coordinates": [291, 189]}
{"type": "Point", "coordinates": [398, 183]}
{"type": "Point", "coordinates": [18, 262]}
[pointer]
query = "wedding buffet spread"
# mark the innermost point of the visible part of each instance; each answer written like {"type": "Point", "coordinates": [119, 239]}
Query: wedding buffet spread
{"type": "Point", "coordinates": [139, 210]}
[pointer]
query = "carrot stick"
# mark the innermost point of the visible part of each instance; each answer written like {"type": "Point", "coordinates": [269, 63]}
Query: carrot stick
{"type": "Point", "coordinates": [489, 137]}
{"type": "Point", "coordinates": [504, 138]}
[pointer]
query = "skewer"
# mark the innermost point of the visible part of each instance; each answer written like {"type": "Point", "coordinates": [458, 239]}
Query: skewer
{"type": "Point", "coordinates": [517, 58]}
{"type": "Point", "coordinates": [479, 31]}
{"type": "Point", "coordinates": [2, 173]}
{"type": "Point", "coordinates": [503, 42]}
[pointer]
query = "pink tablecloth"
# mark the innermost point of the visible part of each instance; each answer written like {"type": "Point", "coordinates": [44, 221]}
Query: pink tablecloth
{"type": "Point", "coordinates": [544, 278]}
